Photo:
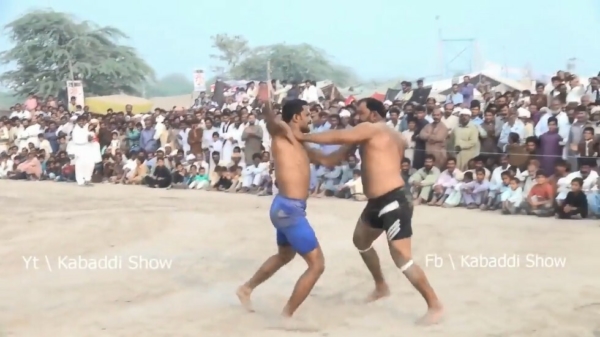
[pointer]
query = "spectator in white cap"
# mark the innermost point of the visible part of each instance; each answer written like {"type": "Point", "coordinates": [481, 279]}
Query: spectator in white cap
{"type": "Point", "coordinates": [525, 117]}
{"type": "Point", "coordinates": [466, 139]}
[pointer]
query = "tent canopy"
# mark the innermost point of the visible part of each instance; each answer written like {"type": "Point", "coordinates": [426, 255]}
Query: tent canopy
{"type": "Point", "coordinates": [100, 104]}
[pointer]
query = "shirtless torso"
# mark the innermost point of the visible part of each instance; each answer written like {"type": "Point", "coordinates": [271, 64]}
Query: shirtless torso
{"type": "Point", "coordinates": [381, 157]}
{"type": "Point", "coordinates": [292, 170]}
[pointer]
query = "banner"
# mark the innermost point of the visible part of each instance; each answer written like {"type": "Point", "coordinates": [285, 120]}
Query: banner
{"type": "Point", "coordinates": [75, 89]}
{"type": "Point", "coordinates": [199, 80]}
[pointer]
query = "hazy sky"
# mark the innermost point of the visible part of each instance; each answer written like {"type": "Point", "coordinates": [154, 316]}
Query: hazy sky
{"type": "Point", "coordinates": [376, 38]}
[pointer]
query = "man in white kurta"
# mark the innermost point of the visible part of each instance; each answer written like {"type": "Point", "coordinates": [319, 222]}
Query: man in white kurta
{"type": "Point", "coordinates": [82, 150]}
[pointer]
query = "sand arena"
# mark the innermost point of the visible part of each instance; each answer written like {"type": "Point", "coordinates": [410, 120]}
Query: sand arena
{"type": "Point", "coordinates": [215, 241]}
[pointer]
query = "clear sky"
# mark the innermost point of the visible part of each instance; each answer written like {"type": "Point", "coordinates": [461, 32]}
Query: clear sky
{"type": "Point", "coordinates": [376, 38]}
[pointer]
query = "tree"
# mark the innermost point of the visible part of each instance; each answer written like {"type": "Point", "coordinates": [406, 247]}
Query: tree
{"type": "Point", "coordinates": [51, 48]}
{"type": "Point", "coordinates": [170, 85]}
{"type": "Point", "coordinates": [231, 50]}
{"type": "Point", "coordinates": [291, 62]}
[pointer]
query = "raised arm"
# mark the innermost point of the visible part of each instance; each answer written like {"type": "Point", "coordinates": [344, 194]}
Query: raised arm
{"type": "Point", "coordinates": [358, 134]}
{"type": "Point", "coordinates": [273, 126]}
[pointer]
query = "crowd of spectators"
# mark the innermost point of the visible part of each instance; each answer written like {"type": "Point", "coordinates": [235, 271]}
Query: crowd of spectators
{"type": "Point", "coordinates": [514, 151]}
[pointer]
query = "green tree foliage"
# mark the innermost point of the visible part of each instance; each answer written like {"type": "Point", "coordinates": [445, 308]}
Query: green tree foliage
{"type": "Point", "coordinates": [170, 85]}
{"type": "Point", "coordinates": [51, 48]}
{"type": "Point", "coordinates": [288, 62]}
{"type": "Point", "coordinates": [231, 50]}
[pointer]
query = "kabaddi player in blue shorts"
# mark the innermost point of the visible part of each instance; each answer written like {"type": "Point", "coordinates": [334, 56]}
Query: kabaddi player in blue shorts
{"type": "Point", "coordinates": [288, 211]}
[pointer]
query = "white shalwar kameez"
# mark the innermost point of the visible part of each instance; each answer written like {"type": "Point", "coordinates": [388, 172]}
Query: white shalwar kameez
{"type": "Point", "coordinates": [83, 152]}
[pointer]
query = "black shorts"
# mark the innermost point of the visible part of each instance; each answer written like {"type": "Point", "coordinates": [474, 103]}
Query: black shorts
{"type": "Point", "coordinates": [391, 212]}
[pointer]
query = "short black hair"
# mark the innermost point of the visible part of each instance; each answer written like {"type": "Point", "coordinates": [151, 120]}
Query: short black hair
{"type": "Point", "coordinates": [451, 159]}
{"type": "Point", "coordinates": [291, 108]}
{"type": "Point", "coordinates": [374, 105]}
{"type": "Point", "coordinates": [430, 156]}
{"type": "Point", "coordinates": [578, 181]}
{"type": "Point", "coordinates": [480, 170]}
{"type": "Point", "coordinates": [256, 156]}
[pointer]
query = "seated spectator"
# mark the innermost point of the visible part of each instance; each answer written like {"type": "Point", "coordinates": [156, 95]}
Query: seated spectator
{"type": "Point", "coordinates": [317, 173]}
{"type": "Point", "coordinates": [575, 205]}
{"type": "Point", "coordinates": [253, 174]}
{"type": "Point", "coordinates": [30, 169]}
{"type": "Point", "coordinates": [540, 200]}
{"type": "Point", "coordinates": [423, 180]}
{"type": "Point", "coordinates": [475, 192]}
{"type": "Point", "coordinates": [513, 198]}
{"type": "Point", "coordinates": [180, 177]}
{"type": "Point", "coordinates": [224, 183]}
{"type": "Point", "coordinates": [199, 181]}
{"type": "Point", "coordinates": [352, 189]}
{"type": "Point", "coordinates": [561, 170]}
{"type": "Point", "coordinates": [348, 169]}
{"type": "Point", "coordinates": [527, 177]}
{"type": "Point", "coordinates": [406, 170]}
{"type": "Point", "coordinates": [445, 183]}
{"type": "Point", "coordinates": [345, 191]}
{"type": "Point", "coordinates": [236, 159]}
{"type": "Point", "coordinates": [5, 165]}
{"type": "Point", "coordinates": [67, 171]}
{"type": "Point", "coordinates": [118, 173]}
{"type": "Point", "coordinates": [331, 179]}
{"type": "Point", "coordinates": [139, 173]}
{"type": "Point", "coordinates": [236, 180]}
{"type": "Point", "coordinates": [161, 177]}
{"type": "Point", "coordinates": [479, 162]}
{"type": "Point", "coordinates": [494, 198]}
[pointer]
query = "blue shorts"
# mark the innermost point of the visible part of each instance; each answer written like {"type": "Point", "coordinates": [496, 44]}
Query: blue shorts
{"type": "Point", "coordinates": [288, 216]}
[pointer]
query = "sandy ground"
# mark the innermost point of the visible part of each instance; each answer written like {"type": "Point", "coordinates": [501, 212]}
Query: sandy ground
{"type": "Point", "coordinates": [215, 241]}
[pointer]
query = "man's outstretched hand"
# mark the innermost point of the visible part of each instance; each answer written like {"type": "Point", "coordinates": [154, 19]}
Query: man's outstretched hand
{"type": "Point", "coordinates": [299, 135]}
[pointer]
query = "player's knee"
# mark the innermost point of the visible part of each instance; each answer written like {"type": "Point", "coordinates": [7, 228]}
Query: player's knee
{"type": "Point", "coordinates": [361, 243]}
{"type": "Point", "coordinates": [317, 268]}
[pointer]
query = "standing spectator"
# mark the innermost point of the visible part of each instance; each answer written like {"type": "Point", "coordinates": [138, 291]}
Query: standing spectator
{"type": "Point", "coordinates": [147, 141]}
{"type": "Point", "coordinates": [194, 139]}
{"type": "Point", "coordinates": [81, 149]}
{"type": "Point", "coordinates": [252, 135]}
{"type": "Point", "coordinates": [466, 137]}
{"type": "Point", "coordinates": [550, 149]}
{"type": "Point", "coordinates": [408, 136]}
{"type": "Point", "coordinates": [435, 134]}
{"type": "Point", "coordinates": [467, 89]}
{"type": "Point", "coordinates": [455, 97]}
{"type": "Point", "coordinates": [419, 153]}
{"type": "Point", "coordinates": [576, 135]}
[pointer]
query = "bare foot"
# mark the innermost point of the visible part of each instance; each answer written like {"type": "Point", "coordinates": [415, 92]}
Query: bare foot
{"type": "Point", "coordinates": [417, 202]}
{"type": "Point", "coordinates": [379, 293]}
{"type": "Point", "coordinates": [440, 202]}
{"type": "Point", "coordinates": [243, 293]}
{"type": "Point", "coordinates": [433, 316]}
